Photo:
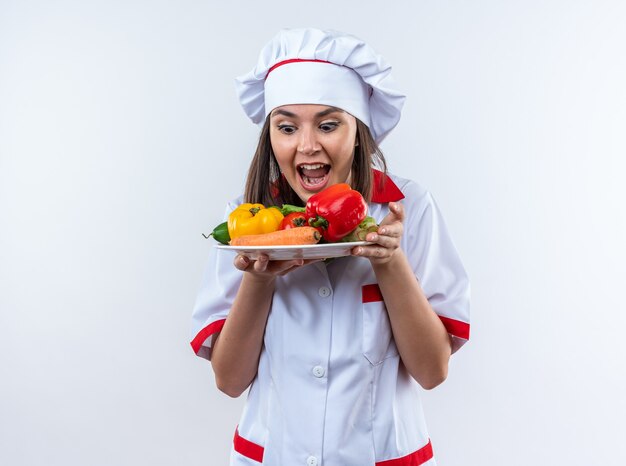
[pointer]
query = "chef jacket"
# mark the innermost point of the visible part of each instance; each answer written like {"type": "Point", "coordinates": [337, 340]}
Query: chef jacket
{"type": "Point", "coordinates": [330, 388]}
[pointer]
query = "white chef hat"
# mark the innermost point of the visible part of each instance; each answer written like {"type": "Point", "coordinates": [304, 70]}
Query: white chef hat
{"type": "Point", "coordinates": [312, 66]}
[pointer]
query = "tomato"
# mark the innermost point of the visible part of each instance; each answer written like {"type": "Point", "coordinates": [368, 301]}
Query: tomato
{"type": "Point", "coordinates": [293, 220]}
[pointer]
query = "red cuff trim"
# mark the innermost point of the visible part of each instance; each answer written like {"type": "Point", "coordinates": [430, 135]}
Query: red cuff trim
{"type": "Point", "coordinates": [414, 459]}
{"type": "Point", "coordinates": [247, 448]}
{"type": "Point", "coordinates": [205, 333]}
{"type": "Point", "coordinates": [371, 293]}
{"type": "Point", "coordinates": [456, 327]}
{"type": "Point", "coordinates": [385, 190]}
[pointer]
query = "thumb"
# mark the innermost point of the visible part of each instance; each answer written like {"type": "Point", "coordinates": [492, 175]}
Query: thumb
{"type": "Point", "coordinates": [396, 214]}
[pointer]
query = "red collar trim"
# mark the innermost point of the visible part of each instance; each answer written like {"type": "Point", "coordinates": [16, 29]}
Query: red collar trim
{"type": "Point", "coordinates": [385, 190]}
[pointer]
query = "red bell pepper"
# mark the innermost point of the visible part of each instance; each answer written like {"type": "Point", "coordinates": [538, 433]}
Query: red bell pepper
{"type": "Point", "coordinates": [338, 210]}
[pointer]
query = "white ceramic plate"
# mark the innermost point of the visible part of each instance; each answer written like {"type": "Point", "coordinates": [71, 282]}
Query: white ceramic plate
{"type": "Point", "coordinates": [305, 251]}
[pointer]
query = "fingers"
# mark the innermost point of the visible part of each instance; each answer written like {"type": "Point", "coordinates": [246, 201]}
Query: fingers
{"type": "Point", "coordinates": [387, 238]}
{"type": "Point", "coordinates": [371, 251]}
{"type": "Point", "coordinates": [262, 265]}
{"type": "Point", "coordinates": [386, 234]}
{"type": "Point", "coordinates": [390, 229]}
{"type": "Point", "coordinates": [396, 214]}
{"type": "Point", "coordinates": [241, 262]}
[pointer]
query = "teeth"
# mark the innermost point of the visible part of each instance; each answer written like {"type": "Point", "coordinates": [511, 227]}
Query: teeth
{"type": "Point", "coordinates": [314, 166]}
{"type": "Point", "coordinates": [312, 180]}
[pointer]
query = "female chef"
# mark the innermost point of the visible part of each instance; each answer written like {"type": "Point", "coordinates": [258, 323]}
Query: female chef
{"type": "Point", "coordinates": [334, 353]}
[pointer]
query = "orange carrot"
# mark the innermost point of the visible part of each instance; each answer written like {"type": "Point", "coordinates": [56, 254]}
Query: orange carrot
{"type": "Point", "coordinates": [292, 236]}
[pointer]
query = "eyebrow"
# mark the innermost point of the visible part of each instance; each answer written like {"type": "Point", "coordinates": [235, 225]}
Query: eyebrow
{"type": "Point", "coordinates": [323, 113]}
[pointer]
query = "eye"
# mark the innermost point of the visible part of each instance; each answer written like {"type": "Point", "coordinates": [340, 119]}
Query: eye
{"type": "Point", "coordinates": [329, 126]}
{"type": "Point", "coordinates": [286, 129]}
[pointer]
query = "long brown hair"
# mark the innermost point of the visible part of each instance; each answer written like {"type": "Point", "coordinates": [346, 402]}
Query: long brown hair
{"type": "Point", "coordinates": [266, 186]}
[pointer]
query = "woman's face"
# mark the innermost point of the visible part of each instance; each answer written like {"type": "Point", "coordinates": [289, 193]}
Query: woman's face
{"type": "Point", "coordinates": [313, 145]}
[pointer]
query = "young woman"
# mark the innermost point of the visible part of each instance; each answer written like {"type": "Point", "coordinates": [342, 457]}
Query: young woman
{"type": "Point", "coordinates": [334, 353]}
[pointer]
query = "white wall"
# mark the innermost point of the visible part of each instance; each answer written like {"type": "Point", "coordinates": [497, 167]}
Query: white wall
{"type": "Point", "coordinates": [121, 139]}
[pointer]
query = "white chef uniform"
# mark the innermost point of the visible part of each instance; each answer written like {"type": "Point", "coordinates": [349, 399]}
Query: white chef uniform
{"type": "Point", "coordinates": [331, 389]}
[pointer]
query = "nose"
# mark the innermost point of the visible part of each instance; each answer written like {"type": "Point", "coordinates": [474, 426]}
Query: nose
{"type": "Point", "coordinates": [308, 143]}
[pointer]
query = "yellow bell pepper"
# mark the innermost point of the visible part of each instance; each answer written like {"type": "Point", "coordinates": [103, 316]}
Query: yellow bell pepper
{"type": "Point", "coordinates": [253, 219]}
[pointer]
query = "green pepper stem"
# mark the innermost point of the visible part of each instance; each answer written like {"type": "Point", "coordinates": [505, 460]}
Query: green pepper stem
{"type": "Point", "coordinates": [318, 222]}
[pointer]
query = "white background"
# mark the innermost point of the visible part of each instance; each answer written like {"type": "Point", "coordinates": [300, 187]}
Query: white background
{"type": "Point", "coordinates": [121, 140]}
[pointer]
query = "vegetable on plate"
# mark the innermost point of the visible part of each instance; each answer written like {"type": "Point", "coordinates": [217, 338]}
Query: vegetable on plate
{"type": "Point", "coordinates": [296, 220]}
{"type": "Point", "coordinates": [368, 225]}
{"type": "Point", "coordinates": [338, 210]}
{"type": "Point", "coordinates": [253, 219]}
{"type": "Point", "coordinates": [292, 236]}
{"type": "Point", "coordinates": [220, 233]}
{"type": "Point", "coordinates": [293, 220]}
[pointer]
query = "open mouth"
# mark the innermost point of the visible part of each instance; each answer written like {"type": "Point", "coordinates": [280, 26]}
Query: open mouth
{"type": "Point", "coordinates": [313, 176]}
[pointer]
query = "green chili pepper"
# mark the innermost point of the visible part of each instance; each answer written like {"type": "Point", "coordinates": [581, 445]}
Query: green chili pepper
{"type": "Point", "coordinates": [220, 233]}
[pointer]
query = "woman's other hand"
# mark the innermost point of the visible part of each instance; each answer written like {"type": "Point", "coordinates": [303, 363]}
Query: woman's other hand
{"type": "Point", "coordinates": [387, 238]}
{"type": "Point", "coordinates": [263, 267]}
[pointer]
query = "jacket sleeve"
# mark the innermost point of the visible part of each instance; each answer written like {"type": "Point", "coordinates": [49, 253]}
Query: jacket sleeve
{"type": "Point", "coordinates": [436, 263]}
{"type": "Point", "coordinates": [220, 282]}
